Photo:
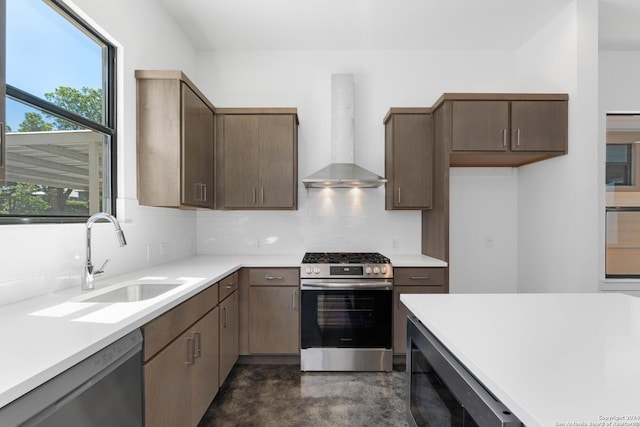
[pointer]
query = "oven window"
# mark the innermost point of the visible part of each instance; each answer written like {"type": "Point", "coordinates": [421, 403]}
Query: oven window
{"type": "Point", "coordinates": [347, 310]}
{"type": "Point", "coordinates": [346, 318]}
{"type": "Point", "coordinates": [431, 403]}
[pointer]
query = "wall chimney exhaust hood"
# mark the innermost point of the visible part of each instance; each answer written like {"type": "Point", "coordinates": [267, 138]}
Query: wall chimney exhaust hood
{"type": "Point", "coordinates": [342, 172]}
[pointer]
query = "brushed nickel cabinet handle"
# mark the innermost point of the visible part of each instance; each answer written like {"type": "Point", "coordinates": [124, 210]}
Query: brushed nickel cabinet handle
{"type": "Point", "coordinates": [230, 285]}
{"type": "Point", "coordinates": [191, 351]}
{"type": "Point", "coordinates": [399, 196]}
{"type": "Point", "coordinates": [198, 345]}
{"type": "Point", "coordinates": [262, 196]}
{"type": "Point", "coordinates": [253, 200]}
{"type": "Point", "coordinates": [224, 317]}
{"type": "Point", "coordinates": [267, 277]}
{"type": "Point", "coordinates": [204, 192]}
{"type": "Point", "coordinates": [518, 137]}
{"type": "Point", "coordinates": [504, 137]}
{"type": "Point", "coordinates": [419, 277]}
{"type": "Point", "coordinates": [294, 300]}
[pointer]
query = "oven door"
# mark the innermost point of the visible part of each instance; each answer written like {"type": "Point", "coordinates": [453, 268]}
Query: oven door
{"type": "Point", "coordinates": [441, 392]}
{"type": "Point", "coordinates": [346, 314]}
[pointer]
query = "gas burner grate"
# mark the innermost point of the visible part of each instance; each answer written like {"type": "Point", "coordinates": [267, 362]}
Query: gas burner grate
{"type": "Point", "coordinates": [344, 258]}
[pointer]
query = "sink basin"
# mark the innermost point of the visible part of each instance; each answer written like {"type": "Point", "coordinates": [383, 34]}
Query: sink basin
{"type": "Point", "coordinates": [134, 292]}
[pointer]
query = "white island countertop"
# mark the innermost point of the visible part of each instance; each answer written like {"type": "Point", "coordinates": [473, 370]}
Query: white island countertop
{"type": "Point", "coordinates": [553, 359]}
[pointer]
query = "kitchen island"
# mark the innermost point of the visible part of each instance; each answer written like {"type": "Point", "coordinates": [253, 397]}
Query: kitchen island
{"type": "Point", "coordinates": [552, 359]}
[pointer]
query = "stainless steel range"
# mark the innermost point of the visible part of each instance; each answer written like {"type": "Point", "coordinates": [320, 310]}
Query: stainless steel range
{"type": "Point", "coordinates": [346, 312]}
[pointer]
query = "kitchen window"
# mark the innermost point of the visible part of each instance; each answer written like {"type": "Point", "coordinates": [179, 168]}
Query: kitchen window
{"type": "Point", "coordinates": [59, 143]}
{"type": "Point", "coordinates": [622, 254]}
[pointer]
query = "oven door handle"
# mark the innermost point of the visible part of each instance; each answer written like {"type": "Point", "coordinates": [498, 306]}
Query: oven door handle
{"type": "Point", "coordinates": [385, 285]}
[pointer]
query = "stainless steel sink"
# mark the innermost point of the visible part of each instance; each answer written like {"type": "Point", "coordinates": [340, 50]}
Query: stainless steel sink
{"type": "Point", "coordinates": [134, 292]}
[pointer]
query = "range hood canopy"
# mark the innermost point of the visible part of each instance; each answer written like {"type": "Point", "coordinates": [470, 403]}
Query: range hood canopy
{"type": "Point", "coordinates": [342, 172]}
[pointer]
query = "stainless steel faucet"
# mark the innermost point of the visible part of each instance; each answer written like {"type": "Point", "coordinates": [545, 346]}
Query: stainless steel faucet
{"type": "Point", "coordinates": [88, 273]}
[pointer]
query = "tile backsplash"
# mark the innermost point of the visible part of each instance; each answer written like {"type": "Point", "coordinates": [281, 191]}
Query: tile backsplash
{"type": "Point", "coordinates": [326, 220]}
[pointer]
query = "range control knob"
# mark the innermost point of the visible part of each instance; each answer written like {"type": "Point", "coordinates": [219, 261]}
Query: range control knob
{"type": "Point", "coordinates": [308, 270]}
{"type": "Point", "coordinates": [376, 270]}
{"type": "Point", "coordinates": [383, 270]}
{"type": "Point", "coordinates": [316, 270]}
{"type": "Point", "coordinates": [367, 270]}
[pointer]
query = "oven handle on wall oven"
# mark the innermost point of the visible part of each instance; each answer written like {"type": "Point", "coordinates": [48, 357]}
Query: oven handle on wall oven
{"type": "Point", "coordinates": [384, 285]}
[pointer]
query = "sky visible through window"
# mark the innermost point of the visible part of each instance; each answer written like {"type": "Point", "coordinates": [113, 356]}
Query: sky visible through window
{"type": "Point", "coordinates": [44, 52]}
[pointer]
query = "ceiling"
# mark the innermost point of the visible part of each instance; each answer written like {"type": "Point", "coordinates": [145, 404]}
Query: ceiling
{"type": "Point", "coordinates": [387, 24]}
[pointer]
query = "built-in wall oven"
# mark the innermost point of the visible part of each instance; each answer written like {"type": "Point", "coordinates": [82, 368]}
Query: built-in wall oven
{"type": "Point", "coordinates": [441, 391]}
{"type": "Point", "coordinates": [346, 312]}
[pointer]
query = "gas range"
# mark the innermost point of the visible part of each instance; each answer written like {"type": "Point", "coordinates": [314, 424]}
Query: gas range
{"type": "Point", "coordinates": [345, 265]}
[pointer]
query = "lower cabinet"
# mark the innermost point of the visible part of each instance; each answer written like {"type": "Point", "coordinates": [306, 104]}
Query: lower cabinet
{"type": "Point", "coordinates": [274, 313]}
{"type": "Point", "coordinates": [181, 380]}
{"type": "Point", "coordinates": [181, 361]}
{"type": "Point", "coordinates": [228, 334]}
{"type": "Point", "coordinates": [414, 280]}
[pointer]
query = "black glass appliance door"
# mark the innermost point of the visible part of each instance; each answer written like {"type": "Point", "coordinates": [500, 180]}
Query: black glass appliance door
{"type": "Point", "coordinates": [346, 318]}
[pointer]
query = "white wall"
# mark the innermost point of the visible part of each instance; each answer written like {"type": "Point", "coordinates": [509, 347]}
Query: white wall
{"type": "Point", "coordinates": [37, 259]}
{"type": "Point", "coordinates": [619, 90]}
{"type": "Point", "coordinates": [558, 198]}
{"type": "Point", "coordinates": [383, 79]}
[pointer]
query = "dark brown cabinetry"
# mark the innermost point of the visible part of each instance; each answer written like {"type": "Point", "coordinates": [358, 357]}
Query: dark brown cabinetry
{"type": "Point", "coordinates": [257, 157]}
{"type": "Point", "coordinates": [271, 323]}
{"type": "Point", "coordinates": [175, 141]}
{"type": "Point", "coordinates": [414, 280]}
{"type": "Point", "coordinates": [180, 361]}
{"type": "Point", "coordinates": [408, 158]}
{"type": "Point", "coordinates": [229, 326]}
{"type": "Point", "coordinates": [504, 129]}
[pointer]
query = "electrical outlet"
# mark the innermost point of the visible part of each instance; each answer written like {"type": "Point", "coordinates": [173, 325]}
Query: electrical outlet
{"type": "Point", "coordinates": [395, 243]}
{"type": "Point", "coordinates": [488, 241]}
{"type": "Point", "coordinates": [259, 243]}
{"type": "Point", "coordinates": [164, 250]}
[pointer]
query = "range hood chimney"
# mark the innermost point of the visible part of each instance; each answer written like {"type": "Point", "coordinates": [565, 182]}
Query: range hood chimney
{"type": "Point", "coordinates": [342, 172]}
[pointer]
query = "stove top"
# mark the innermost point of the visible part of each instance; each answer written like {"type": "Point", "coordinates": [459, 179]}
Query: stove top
{"type": "Point", "coordinates": [344, 258]}
{"type": "Point", "coordinates": [346, 265]}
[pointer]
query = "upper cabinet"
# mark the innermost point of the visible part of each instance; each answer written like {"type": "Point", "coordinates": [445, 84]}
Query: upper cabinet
{"type": "Point", "coordinates": [257, 158]}
{"type": "Point", "coordinates": [408, 158]}
{"type": "Point", "coordinates": [175, 142]}
{"type": "Point", "coordinates": [504, 129]}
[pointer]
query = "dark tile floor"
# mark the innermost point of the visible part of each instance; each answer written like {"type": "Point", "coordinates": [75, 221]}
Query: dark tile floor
{"type": "Point", "coordinates": [281, 395]}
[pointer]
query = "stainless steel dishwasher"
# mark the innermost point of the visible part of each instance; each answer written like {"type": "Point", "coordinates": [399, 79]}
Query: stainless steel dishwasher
{"type": "Point", "coordinates": [103, 390]}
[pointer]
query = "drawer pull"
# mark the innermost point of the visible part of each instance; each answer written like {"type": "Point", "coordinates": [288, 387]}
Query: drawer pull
{"type": "Point", "coordinates": [268, 277]}
{"type": "Point", "coordinates": [198, 345]}
{"type": "Point", "coordinates": [230, 285]}
{"type": "Point", "coordinates": [419, 277]}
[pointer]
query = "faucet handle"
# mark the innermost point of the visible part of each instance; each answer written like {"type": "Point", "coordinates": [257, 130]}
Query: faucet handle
{"type": "Point", "coordinates": [101, 269]}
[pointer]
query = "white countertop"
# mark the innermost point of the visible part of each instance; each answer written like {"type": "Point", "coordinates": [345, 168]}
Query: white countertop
{"type": "Point", "coordinates": [552, 359]}
{"type": "Point", "coordinates": [415, 260]}
{"type": "Point", "coordinates": [44, 336]}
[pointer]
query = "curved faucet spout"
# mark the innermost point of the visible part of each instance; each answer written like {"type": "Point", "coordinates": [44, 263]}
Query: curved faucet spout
{"type": "Point", "coordinates": [88, 274]}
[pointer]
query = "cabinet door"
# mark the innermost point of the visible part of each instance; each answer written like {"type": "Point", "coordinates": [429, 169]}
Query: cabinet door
{"type": "Point", "coordinates": [197, 150]}
{"type": "Point", "coordinates": [228, 335]}
{"type": "Point", "coordinates": [241, 161]}
{"type": "Point", "coordinates": [274, 324]}
{"type": "Point", "coordinates": [277, 161]}
{"type": "Point", "coordinates": [539, 125]}
{"type": "Point", "coordinates": [203, 373]}
{"type": "Point", "coordinates": [400, 313]}
{"type": "Point", "coordinates": [412, 161]}
{"type": "Point", "coordinates": [166, 385]}
{"type": "Point", "coordinates": [480, 126]}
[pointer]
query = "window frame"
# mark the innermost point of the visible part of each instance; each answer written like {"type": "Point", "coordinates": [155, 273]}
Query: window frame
{"type": "Point", "coordinates": [108, 129]}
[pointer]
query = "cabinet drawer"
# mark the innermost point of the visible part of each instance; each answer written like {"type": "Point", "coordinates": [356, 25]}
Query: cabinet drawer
{"type": "Point", "coordinates": [419, 276]}
{"type": "Point", "coordinates": [274, 277]}
{"type": "Point", "coordinates": [162, 330]}
{"type": "Point", "coordinates": [228, 285]}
